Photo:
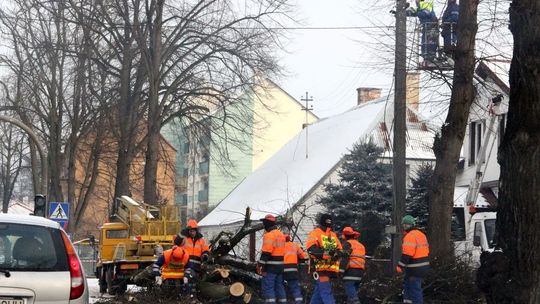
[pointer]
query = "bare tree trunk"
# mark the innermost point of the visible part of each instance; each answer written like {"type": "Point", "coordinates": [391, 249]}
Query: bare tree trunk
{"type": "Point", "coordinates": [91, 176]}
{"type": "Point", "coordinates": [153, 60]}
{"type": "Point", "coordinates": [518, 227]}
{"type": "Point", "coordinates": [79, 94]}
{"type": "Point", "coordinates": [11, 153]}
{"type": "Point", "coordinates": [447, 147]}
{"type": "Point", "coordinates": [126, 124]}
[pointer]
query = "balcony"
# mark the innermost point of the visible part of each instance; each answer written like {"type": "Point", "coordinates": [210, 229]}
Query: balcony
{"type": "Point", "coordinates": [203, 195]}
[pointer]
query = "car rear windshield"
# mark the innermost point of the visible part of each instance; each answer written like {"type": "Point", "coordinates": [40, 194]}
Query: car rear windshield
{"type": "Point", "coordinates": [31, 248]}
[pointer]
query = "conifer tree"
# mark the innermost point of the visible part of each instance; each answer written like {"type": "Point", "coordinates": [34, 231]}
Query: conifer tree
{"type": "Point", "coordinates": [363, 197]}
{"type": "Point", "coordinates": [418, 196]}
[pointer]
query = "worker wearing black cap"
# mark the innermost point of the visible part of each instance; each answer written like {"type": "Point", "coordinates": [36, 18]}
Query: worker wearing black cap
{"type": "Point", "coordinates": [323, 247]}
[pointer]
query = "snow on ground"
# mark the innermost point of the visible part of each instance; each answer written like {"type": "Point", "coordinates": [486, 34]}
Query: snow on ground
{"type": "Point", "coordinates": [95, 296]}
{"type": "Point", "coordinates": [93, 289]}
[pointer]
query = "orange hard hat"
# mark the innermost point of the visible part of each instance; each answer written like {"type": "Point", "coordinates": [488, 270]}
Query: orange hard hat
{"type": "Point", "coordinates": [348, 231]}
{"type": "Point", "coordinates": [192, 224]}
{"type": "Point", "coordinates": [269, 217]}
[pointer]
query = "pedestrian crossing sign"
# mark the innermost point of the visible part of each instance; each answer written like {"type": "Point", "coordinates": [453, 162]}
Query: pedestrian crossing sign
{"type": "Point", "coordinates": [59, 212]}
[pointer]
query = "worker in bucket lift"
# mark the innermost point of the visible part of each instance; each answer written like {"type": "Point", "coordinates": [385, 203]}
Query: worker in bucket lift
{"type": "Point", "coordinates": [352, 264]}
{"type": "Point", "coordinates": [429, 27]}
{"type": "Point", "coordinates": [293, 255]}
{"type": "Point", "coordinates": [449, 26]}
{"type": "Point", "coordinates": [324, 249]}
{"type": "Point", "coordinates": [270, 264]}
{"type": "Point", "coordinates": [171, 266]}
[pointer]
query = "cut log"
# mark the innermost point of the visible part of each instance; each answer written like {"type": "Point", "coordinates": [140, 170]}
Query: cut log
{"type": "Point", "coordinates": [248, 295]}
{"type": "Point", "coordinates": [237, 289]}
{"type": "Point", "coordinates": [245, 276]}
{"type": "Point", "coordinates": [236, 262]}
{"type": "Point", "coordinates": [214, 291]}
{"type": "Point", "coordinates": [216, 275]}
{"type": "Point", "coordinates": [220, 292]}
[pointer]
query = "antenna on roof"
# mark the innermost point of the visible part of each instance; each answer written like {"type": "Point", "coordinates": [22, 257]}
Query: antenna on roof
{"type": "Point", "coordinates": [307, 108]}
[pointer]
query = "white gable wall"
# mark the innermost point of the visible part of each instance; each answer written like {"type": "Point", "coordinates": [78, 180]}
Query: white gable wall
{"type": "Point", "coordinates": [480, 113]}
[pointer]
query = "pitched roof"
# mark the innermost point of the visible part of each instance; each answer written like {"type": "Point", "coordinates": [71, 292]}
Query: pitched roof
{"type": "Point", "coordinates": [485, 199]}
{"type": "Point", "coordinates": [289, 175]}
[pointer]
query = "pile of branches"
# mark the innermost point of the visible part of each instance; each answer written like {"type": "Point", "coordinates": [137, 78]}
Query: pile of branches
{"type": "Point", "coordinates": [451, 281]}
{"type": "Point", "coordinates": [224, 278]}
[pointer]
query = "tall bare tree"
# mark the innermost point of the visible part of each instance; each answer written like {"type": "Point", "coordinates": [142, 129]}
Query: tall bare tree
{"type": "Point", "coordinates": [519, 156]}
{"type": "Point", "coordinates": [201, 56]}
{"type": "Point", "coordinates": [50, 90]}
{"type": "Point", "coordinates": [39, 36]}
{"type": "Point", "coordinates": [12, 152]}
{"type": "Point", "coordinates": [447, 146]}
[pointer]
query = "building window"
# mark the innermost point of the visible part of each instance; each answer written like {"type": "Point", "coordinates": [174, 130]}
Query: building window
{"type": "Point", "coordinates": [476, 135]}
{"type": "Point", "coordinates": [472, 143]}
{"type": "Point", "coordinates": [205, 157]}
{"type": "Point", "coordinates": [502, 128]}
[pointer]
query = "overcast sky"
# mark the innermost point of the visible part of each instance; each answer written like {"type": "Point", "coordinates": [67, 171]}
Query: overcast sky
{"type": "Point", "coordinates": [331, 63]}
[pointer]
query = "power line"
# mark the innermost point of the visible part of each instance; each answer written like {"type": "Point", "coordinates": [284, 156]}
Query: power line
{"type": "Point", "coordinates": [292, 28]}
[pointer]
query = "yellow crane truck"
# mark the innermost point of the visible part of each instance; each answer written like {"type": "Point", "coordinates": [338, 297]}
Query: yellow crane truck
{"type": "Point", "coordinates": [133, 241]}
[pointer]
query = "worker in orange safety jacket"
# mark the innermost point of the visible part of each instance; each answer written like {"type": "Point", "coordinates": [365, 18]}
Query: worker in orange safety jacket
{"type": "Point", "coordinates": [270, 264]}
{"type": "Point", "coordinates": [195, 245]}
{"type": "Point", "coordinates": [324, 249]}
{"type": "Point", "coordinates": [352, 264]}
{"type": "Point", "coordinates": [414, 259]}
{"type": "Point", "coordinates": [171, 266]}
{"type": "Point", "coordinates": [293, 255]}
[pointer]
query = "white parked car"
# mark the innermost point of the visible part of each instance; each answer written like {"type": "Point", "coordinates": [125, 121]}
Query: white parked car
{"type": "Point", "coordinates": [38, 263]}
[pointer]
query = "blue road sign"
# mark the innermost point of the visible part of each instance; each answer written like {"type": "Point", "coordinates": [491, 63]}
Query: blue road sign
{"type": "Point", "coordinates": [59, 212]}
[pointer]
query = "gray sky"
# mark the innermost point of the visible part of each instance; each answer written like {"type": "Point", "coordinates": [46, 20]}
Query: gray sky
{"type": "Point", "coordinates": [331, 63]}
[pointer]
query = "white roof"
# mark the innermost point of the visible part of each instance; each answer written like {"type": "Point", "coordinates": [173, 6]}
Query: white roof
{"type": "Point", "coordinates": [28, 220]}
{"type": "Point", "coordinates": [286, 177]}
{"type": "Point", "coordinates": [18, 208]}
{"type": "Point", "coordinates": [501, 68]}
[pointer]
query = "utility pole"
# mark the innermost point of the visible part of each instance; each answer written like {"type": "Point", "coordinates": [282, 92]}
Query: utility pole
{"type": "Point", "coordinates": [307, 108]}
{"type": "Point", "coordinates": [398, 160]}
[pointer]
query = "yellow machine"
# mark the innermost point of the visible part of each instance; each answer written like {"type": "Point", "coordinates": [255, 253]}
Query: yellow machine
{"type": "Point", "coordinates": [133, 241]}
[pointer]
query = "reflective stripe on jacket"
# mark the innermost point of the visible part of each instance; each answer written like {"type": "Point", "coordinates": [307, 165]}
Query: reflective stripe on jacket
{"type": "Point", "coordinates": [353, 266]}
{"type": "Point", "coordinates": [174, 268]}
{"type": "Point", "coordinates": [196, 248]}
{"type": "Point", "coordinates": [415, 254]}
{"type": "Point", "coordinates": [293, 253]}
{"type": "Point", "coordinates": [320, 243]}
{"type": "Point", "coordinates": [273, 251]}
